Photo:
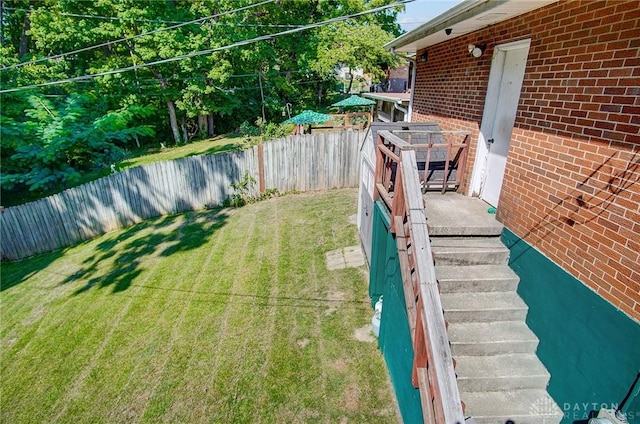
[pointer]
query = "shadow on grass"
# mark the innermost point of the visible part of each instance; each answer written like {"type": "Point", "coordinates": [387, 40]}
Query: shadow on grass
{"type": "Point", "coordinates": [177, 152]}
{"type": "Point", "coordinates": [129, 251]}
{"type": "Point", "coordinates": [229, 147]}
{"type": "Point", "coordinates": [14, 273]}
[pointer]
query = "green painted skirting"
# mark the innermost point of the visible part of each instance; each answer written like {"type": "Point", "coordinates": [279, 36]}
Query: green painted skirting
{"type": "Point", "coordinates": [591, 349]}
{"type": "Point", "coordinates": [395, 339]}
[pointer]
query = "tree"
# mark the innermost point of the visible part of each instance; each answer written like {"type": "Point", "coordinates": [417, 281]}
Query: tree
{"type": "Point", "coordinates": [48, 40]}
{"type": "Point", "coordinates": [58, 142]}
{"type": "Point", "coordinates": [356, 46]}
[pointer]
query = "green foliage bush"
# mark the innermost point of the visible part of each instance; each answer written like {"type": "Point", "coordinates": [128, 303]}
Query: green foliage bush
{"type": "Point", "coordinates": [58, 141]}
{"type": "Point", "coordinates": [243, 192]}
{"type": "Point", "coordinates": [265, 130]}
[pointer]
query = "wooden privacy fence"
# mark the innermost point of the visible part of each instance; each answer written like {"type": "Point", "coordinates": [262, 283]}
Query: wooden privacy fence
{"type": "Point", "coordinates": [353, 120]}
{"type": "Point", "coordinates": [398, 186]}
{"type": "Point", "coordinates": [297, 163]}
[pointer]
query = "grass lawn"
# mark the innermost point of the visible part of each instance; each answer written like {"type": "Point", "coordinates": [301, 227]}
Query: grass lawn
{"type": "Point", "coordinates": [209, 146]}
{"type": "Point", "coordinates": [225, 316]}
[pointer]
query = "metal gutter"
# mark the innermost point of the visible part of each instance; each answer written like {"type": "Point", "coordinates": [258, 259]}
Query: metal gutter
{"type": "Point", "coordinates": [395, 100]}
{"type": "Point", "coordinates": [460, 12]}
{"type": "Point", "coordinates": [401, 109]}
{"type": "Point", "coordinates": [404, 56]}
{"type": "Point", "coordinates": [413, 91]}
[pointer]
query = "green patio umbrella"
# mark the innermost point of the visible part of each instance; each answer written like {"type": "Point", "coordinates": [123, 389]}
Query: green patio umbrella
{"type": "Point", "coordinates": [354, 100]}
{"type": "Point", "coordinates": [308, 117]}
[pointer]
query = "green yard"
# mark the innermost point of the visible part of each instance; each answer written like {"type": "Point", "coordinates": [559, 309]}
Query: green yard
{"type": "Point", "coordinates": [209, 146]}
{"type": "Point", "coordinates": [220, 316]}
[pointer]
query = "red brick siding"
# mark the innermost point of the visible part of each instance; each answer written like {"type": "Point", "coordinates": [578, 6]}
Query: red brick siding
{"type": "Point", "coordinates": [572, 183]}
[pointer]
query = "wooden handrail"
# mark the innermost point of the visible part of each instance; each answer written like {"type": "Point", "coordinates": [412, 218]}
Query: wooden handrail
{"type": "Point", "coordinates": [398, 185]}
{"type": "Point", "coordinates": [430, 132]}
{"type": "Point", "coordinates": [459, 160]}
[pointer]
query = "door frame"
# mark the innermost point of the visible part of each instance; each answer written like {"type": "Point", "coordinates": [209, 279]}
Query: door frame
{"type": "Point", "coordinates": [489, 112]}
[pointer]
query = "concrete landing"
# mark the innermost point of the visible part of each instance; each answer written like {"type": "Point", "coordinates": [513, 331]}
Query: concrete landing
{"type": "Point", "coordinates": [453, 214]}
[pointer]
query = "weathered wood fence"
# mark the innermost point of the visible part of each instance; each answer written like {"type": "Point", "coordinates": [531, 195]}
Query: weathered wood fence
{"type": "Point", "coordinates": [297, 163]}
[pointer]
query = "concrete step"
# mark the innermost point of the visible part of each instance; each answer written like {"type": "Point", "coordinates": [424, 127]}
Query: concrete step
{"type": "Point", "coordinates": [469, 251]}
{"type": "Point", "coordinates": [525, 406]}
{"type": "Point", "coordinates": [491, 338]}
{"type": "Point", "coordinates": [476, 278]}
{"type": "Point", "coordinates": [452, 214]}
{"type": "Point", "coordinates": [483, 307]}
{"type": "Point", "coordinates": [500, 372]}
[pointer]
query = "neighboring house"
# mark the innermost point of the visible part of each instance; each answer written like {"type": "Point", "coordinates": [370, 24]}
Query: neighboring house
{"type": "Point", "coordinates": [396, 80]}
{"type": "Point", "coordinates": [392, 94]}
{"type": "Point", "coordinates": [551, 93]}
{"type": "Point", "coordinates": [390, 107]}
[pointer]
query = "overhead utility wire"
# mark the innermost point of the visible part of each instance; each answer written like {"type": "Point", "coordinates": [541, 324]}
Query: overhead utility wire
{"type": "Point", "coordinates": [143, 34]}
{"type": "Point", "coordinates": [106, 18]}
{"type": "Point", "coordinates": [112, 18]}
{"type": "Point", "coordinates": [254, 74]}
{"type": "Point", "coordinates": [208, 51]}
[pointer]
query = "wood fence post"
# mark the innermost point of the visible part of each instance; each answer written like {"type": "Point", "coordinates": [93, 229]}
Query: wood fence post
{"type": "Point", "coordinates": [261, 186]}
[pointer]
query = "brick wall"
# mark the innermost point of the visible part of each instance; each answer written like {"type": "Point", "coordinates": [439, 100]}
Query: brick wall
{"type": "Point", "coordinates": [572, 182]}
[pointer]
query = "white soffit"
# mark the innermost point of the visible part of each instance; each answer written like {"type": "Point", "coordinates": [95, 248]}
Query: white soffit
{"type": "Point", "coordinates": [465, 17]}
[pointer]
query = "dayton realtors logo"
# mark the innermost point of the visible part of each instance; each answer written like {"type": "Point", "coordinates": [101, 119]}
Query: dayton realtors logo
{"type": "Point", "coordinates": [545, 408]}
{"type": "Point", "coordinates": [585, 410]}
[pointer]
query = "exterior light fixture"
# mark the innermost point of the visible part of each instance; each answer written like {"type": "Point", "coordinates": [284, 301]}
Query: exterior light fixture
{"type": "Point", "coordinates": [423, 57]}
{"type": "Point", "coordinates": [476, 50]}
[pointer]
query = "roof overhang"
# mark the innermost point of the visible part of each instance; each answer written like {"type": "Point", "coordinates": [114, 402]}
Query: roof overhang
{"type": "Point", "coordinates": [398, 98]}
{"type": "Point", "coordinates": [465, 17]}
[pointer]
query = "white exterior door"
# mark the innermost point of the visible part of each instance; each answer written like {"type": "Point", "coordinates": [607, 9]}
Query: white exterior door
{"type": "Point", "coordinates": [503, 95]}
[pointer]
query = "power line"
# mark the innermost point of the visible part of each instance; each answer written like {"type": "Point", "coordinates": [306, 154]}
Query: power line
{"type": "Point", "coordinates": [107, 18]}
{"type": "Point", "coordinates": [244, 88]}
{"type": "Point", "coordinates": [108, 43]}
{"type": "Point", "coordinates": [253, 74]}
{"type": "Point", "coordinates": [260, 25]}
{"type": "Point", "coordinates": [208, 51]}
{"type": "Point", "coordinates": [113, 18]}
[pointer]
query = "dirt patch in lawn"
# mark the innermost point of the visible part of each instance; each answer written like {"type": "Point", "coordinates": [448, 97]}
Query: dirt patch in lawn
{"type": "Point", "coordinates": [334, 298]}
{"type": "Point", "coordinates": [363, 334]}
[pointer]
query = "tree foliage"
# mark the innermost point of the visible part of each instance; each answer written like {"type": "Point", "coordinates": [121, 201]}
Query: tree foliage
{"type": "Point", "coordinates": [52, 133]}
{"type": "Point", "coordinates": [356, 46]}
{"type": "Point", "coordinates": [55, 143]}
